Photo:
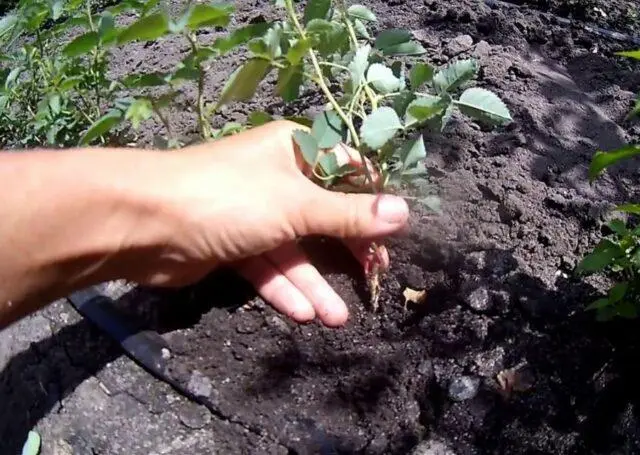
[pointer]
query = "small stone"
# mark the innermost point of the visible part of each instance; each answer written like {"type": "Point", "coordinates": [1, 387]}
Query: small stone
{"type": "Point", "coordinates": [200, 385]}
{"type": "Point", "coordinates": [432, 447]}
{"type": "Point", "coordinates": [458, 45]}
{"type": "Point", "coordinates": [476, 261]}
{"type": "Point", "coordinates": [166, 354]}
{"type": "Point", "coordinates": [463, 388]}
{"type": "Point", "coordinates": [520, 139]}
{"type": "Point", "coordinates": [194, 416]}
{"type": "Point", "coordinates": [489, 363]}
{"type": "Point", "coordinates": [478, 299]}
{"type": "Point", "coordinates": [277, 323]}
{"type": "Point", "coordinates": [482, 49]}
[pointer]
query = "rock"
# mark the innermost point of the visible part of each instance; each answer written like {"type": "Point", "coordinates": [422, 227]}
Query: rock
{"type": "Point", "coordinates": [277, 323]}
{"type": "Point", "coordinates": [194, 416]}
{"type": "Point", "coordinates": [200, 385]}
{"type": "Point", "coordinates": [458, 45]}
{"type": "Point", "coordinates": [463, 388]}
{"type": "Point", "coordinates": [478, 299]}
{"type": "Point", "coordinates": [432, 447]}
{"type": "Point", "coordinates": [476, 261]}
{"type": "Point", "coordinates": [511, 209]}
{"type": "Point", "coordinates": [489, 363]}
{"type": "Point", "coordinates": [482, 49]}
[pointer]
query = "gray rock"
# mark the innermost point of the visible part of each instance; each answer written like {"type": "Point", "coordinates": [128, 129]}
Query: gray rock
{"type": "Point", "coordinates": [478, 299]}
{"type": "Point", "coordinates": [277, 323]}
{"type": "Point", "coordinates": [199, 384]}
{"type": "Point", "coordinates": [489, 363]}
{"type": "Point", "coordinates": [482, 49]}
{"type": "Point", "coordinates": [193, 416]}
{"type": "Point", "coordinates": [476, 261]}
{"type": "Point", "coordinates": [458, 45]}
{"type": "Point", "coordinates": [463, 388]}
{"type": "Point", "coordinates": [432, 447]}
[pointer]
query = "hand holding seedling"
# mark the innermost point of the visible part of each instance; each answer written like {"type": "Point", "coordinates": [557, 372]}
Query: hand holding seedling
{"type": "Point", "coordinates": [79, 217]}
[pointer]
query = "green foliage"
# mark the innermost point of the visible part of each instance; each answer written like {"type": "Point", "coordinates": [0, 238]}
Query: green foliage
{"type": "Point", "coordinates": [618, 254]}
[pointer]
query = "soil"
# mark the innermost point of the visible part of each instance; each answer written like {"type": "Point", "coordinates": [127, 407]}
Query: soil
{"type": "Point", "coordinates": [518, 213]}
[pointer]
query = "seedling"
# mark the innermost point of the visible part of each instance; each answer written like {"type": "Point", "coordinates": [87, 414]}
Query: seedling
{"type": "Point", "coordinates": [376, 102]}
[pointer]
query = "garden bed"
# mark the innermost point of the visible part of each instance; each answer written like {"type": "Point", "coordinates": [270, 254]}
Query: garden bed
{"type": "Point", "coordinates": [518, 213]}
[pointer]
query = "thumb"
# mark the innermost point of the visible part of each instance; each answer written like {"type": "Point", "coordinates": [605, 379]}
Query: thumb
{"type": "Point", "coordinates": [345, 215]}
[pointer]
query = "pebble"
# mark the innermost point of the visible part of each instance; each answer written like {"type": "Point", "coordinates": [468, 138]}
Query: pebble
{"type": "Point", "coordinates": [194, 416]}
{"type": "Point", "coordinates": [432, 447]}
{"type": "Point", "coordinates": [478, 299]}
{"type": "Point", "coordinates": [199, 384]}
{"type": "Point", "coordinates": [489, 363]}
{"type": "Point", "coordinates": [463, 388]}
{"type": "Point", "coordinates": [482, 49]}
{"type": "Point", "coordinates": [278, 324]}
{"type": "Point", "coordinates": [458, 45]}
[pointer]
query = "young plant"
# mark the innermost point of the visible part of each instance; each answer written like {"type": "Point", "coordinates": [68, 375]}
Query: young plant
{"type": "Point", "coordinates": [618, 254]}
{"type": "Point", "coordinates": [376, 103]}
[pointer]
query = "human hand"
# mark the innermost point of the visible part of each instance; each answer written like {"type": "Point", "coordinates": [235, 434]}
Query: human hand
{"type": "Point", "coordinates": [244, 200]}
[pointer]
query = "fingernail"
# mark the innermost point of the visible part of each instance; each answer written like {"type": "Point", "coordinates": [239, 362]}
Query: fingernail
{"type": "Point", "coordinates": [392, 209]}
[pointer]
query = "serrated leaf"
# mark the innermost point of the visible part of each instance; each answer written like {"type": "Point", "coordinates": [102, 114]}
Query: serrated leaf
{"type": "Point", "coordinates": [304, 121]}
{"type": "Point", "coordinates": [454, 75]}
{"type": "Point", "coordinates": [410, 48]}
{"type": "Point", "coordinates": [358, 65]}
{"type": "Point", "coordinates": [328, 129]}
{"type": "Point", "coordinates": [419, 74]}
{"type": "Point", "coordinates": [401, 102]}
{"type": "Point", "coordinates": [316, 9]}
{"type": "Point", "coordinates": [392, 37]}
{"type": "Point", "coordinates": [239, 36]}
{"type": "Point", "coordinates": [602, 160]}
{"type": "Point", "coordinates": [243, 82]}
{"type": "Point", "coordinates": [361, 29]}
{"type": "Point", "coordinates": [631, 54]}
{"type": "Point", "coordinates": [601, 257]}
{"type": "Point", "coordinates": [147, 28]}
{"type": "Point", "coordinates": [618, 227]}
{"type": "Point", "coordinates": [362, 13]}
{"type": "Point", "coordinates": [483, 105]}
{"type": "Point", "coordinates": [82, 44]}
{"type": "Point", "coordinates": [55, 103]}
{"type": "Point", "coordinates": [382, 78]}
{"type": "Point", "coordinates": [308, 146]}
{"type": "Point", "coordinates": [327, 37]}
{"type": "Point", "coordinates": [212, 15]}
{"type": "Point", "coordinates": [289, 82]}
{"type": "Point", "coordinates": [629, 208]}
{"type": "Point", "coordinates": [101, 126]}
{"type": "Point", "coordinates": [106, 26]}
{"type": "Point", "coordinates": [139, 111]}
{"type": "Point", "coordinates": [598, 304]}
{"type": "Point", "coordinates": [423, 108]}
{"type": "Point", "coordinates": [297, 51]}
{"type": "Point", "coordinates": [618, 291]}
{"type": "Point", "coordinates": [411, 153]}
{"type": "Point", "coordinates": [379, 127]}
{"type": "Point", "coordinates": [329, 164]}
{"type": "Point", "coordinates": [258, 118]}
{"type": "Point", "coordinates": [144, 80]}
{"type": "Point", "coordinates": [32, 444]}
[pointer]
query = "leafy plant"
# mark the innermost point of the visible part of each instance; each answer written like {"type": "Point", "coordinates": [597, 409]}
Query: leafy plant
{"type": "Point", "coordinates": [618, 254]}
{"type": "Point", "coordinates": [376, 103]}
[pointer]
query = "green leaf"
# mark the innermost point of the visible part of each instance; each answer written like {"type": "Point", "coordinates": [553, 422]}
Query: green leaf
{"type": "Point", "coordinates": [361, 29]}
{"type": "Point", "coordinates": [358, 65]}
{"type": "Point", "coordinates": [419, 74]}
{"type": "Point", "coordinates": [598, 304]}
{"type": "Point", "coordinates": [602, 160]}
{"type": "Point", "coordinates": [308, 146]}
{"type": "Point", "coordinates": [304, 121]}
{"type": "Point", "coordinates": [382, 78]}
{"type": "Point", "coordinates": [101, 126]}
{"type": "Point", "coordinates": [297, 51]}
{"type": "Point", "coordinates": [57, 8]}
{"type": "Point", "coordinates": [147, 28]}
{"type": "Point", "coordinates": [139, 111]}
{"type": "Point", "coordinates": [454, 75]}
{"type": "Point", "coordinates": [483, 105]}
{"type": "Point", "coordinates": [240, 36]}
{"type": "Point", "coordinates": [397, 42]}
{"type": "Point", "coordinates": [328, 129]}
{"type": "Point", "coordinates": [412, 152]}
{"type": "Point", "coordinates": [423, 108]}
{"type": "Point", "coordinates": [402, 101]}
{"type": "Point", "coordinates": [81, 45]}
{"type": "Point", "coordinates": [606, 314]}
{"type": "Point", "coordinates": [618, 227]}
{"type": "Point", "coordinates": [7, 24]}
{"type": "Point", "coordinates": [144, 80]}
{"type": "Point", "coordinates": [431, 202]}
{"type": "Point", "coordinates": [54, 104]}
{"type": "Point", "coordinates": [617, 292]}
{"type": "Point", "coordinates": [243, 82]}
{"type": "Point", "coordinates": [362, 13]}
{"type": "Point", "coordinates": [258, 118]}
{"type": "Point", "coordinates": [627, 310]}
{"type": "Point", "coordinates": [379, 127]}
{"type": "Point", "coordinates": [289, 82]}
{"type": "Point", "coordinates": [32, 444]}
{"type": "Point", "coordinates": [106, 27]}
{"type": "Point", "coordinates": [329, 164]}
{"type": "Point", "coordinates": [316, 9]}
{"type": "Point", "coordinates": [410, 48]}
{"type": "Point", "coordinates": [629, 208]}
{"type": "Point", "coordinates": [631, 54]}
{"type": "Point", "coordinates": [213, 15]}
{"type": "Point", "coordinates": [327, 37]}
{"type": "Point", "coordinates": [601, 257]}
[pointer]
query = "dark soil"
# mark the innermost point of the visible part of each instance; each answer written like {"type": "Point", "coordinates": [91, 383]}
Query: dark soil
{"type": "Point", "coordinates": [496, 265]}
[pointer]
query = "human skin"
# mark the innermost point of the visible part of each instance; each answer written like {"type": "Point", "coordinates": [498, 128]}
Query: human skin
{"type": "Point", "coordinates": [73, 218]}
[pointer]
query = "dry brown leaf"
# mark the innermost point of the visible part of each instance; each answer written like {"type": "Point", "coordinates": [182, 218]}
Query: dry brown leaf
{"type": "Point", "coordinates": [514, 380]}
{"type": "Point", "coordinates": [413, 296]}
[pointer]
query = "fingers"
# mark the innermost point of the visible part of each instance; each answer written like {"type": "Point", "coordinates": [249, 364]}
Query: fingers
{"type": "Point", "coordinates": [276, 289]}
{"type": "Point", "coordinates": [347, 215]}
{"type": "Point", "coordinates": [295, 266]}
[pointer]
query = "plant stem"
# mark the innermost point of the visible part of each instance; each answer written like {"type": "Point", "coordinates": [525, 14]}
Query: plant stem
{"type": "Point", "coordinates": [205, 128]}
{"type": "Point", "coordinates": [164, 121]}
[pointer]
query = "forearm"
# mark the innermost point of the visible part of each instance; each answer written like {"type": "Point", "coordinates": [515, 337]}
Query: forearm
{"type": "Point", "coordinates": [69, 219]}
